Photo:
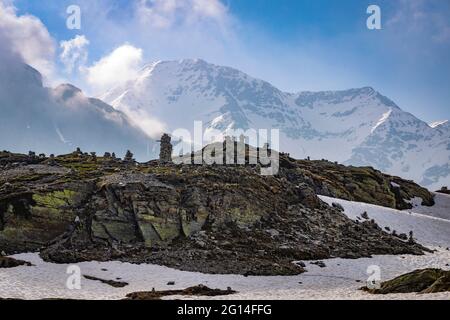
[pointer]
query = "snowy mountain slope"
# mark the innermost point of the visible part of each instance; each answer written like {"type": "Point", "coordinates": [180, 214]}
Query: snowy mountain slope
{"type": "Point", "coordinates": [58, 120]}
{"type": "Point", "coordinates": [408, 147]}
{"type": "Point", "coordinates": [175, 94]}
{"type": "Point", "coordinates": [341, 120]}
{"type": "Point", "coordinates": [357, 126]}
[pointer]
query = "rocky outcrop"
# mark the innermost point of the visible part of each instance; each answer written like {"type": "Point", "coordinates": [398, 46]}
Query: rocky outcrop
{"type": "Point", "coordinates": [199, 290]}
{"type": "Point", "coordinates": [444, 190]}
{"type": "Point", "coordinates": [420, 281]}
{"type": "Point", "coordinates": [112, 283]}
{"type": "Point", "coordinates": [8, 262]}
{"type": "Point", "coordinates": [363, 184]}
{"type": "Point", "coordinates": [215, 219]}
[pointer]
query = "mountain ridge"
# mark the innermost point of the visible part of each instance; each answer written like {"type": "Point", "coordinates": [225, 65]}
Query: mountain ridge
{"type": "Point", "coordinates": [359, 127]}
{"type": "Point", "coordinates": [355, 126]}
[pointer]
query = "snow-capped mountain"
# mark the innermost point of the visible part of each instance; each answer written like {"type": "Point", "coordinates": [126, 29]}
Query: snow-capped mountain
{"type": "Point", "coordinates": [46, 120]}
{"type": "Point", "coordinates": [357, 126]}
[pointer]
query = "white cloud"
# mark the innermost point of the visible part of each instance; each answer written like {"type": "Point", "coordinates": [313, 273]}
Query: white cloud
{"type": "Point", "coordinates": [27, 37]}
{"type": "Point", "coordinates": [210, 8]}
{"type": "Point", "coordinates": [164, 14]}
{"type": "Point", "coordinates": [74, 52]}
{"type": "Point", "coordinates": [422, 18]}
{"type": "Point", "coordinates": [173, 29]}
{"type": "Point", "coordinates": [114, 69]}
{"type": "Point", "coordinates": [148, 124]}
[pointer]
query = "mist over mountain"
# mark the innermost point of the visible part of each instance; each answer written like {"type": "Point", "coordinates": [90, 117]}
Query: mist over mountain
{"type": "Point", "coordinates": [357, 126]}
{"type": "Point", "coordinates": [56, 121]}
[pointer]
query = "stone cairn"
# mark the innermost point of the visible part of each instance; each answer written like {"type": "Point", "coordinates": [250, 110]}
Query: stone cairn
{"type": "Point", "coordinates": [165, 152]}
{"type": "Point", "coordinates": [128, 157]}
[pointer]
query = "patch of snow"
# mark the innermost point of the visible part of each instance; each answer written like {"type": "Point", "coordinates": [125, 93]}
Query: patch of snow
{"type": "Point", "coordinates": [415, 202]}
{"type": "Point", "coordinates": [382, 120]}
{"type": "Point", "coordinates": [395, 185]}
{"type": "Point", "coordinates": [341, 279]}
{"type": "Point", "coordinates": [428, 230]}
{"type": "Point", "coordinates": [441, 209]}
{"type": "Point", "coordinates": [60, 135]}
{"type": "Point", "coordinates": [437, 123]}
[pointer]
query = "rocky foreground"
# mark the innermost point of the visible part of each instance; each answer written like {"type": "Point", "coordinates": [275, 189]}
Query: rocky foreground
{"type": "Point", "coordinates": [419, 281]}
{"type": "Point", "coordinates": [212, 219]}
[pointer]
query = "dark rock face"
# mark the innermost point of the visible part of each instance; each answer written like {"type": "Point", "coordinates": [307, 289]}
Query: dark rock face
{"type": "Point", "coordinates": [420, 281]}
{"type": "Point", "coordinates": [215, 219]}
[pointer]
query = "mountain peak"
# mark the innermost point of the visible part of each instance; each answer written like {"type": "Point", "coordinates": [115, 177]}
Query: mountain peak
{"type": "Point", "coordinates": [68, 87]}
{"type": "Point", "coordinates": [34, 74]}
{"type": "Point", "coordinates": [367, 90]}
{"type": "Point", "coordinates": [195, 61]}
{"type": "Point", "coordinates": [18, 72]}
{"type": "Point", "coordinates": [67, 91]}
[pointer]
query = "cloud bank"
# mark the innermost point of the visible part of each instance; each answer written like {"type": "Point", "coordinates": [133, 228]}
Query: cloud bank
{"type": "Point", "coordinates": [118, 67]}
{"type": "Point", "coordinates": [408, 53]}
{"type": "Point", "coordinates": [417, 18]}
{"type": "Point", "coordinates": [164, 14]}
{"type": "Point", "coordinates": [28, 38]}
{"type": "Point", "coordinates": [74, 52]}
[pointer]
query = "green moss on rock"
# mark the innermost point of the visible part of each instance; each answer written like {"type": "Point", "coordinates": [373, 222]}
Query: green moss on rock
{"type": "Point", "coordinates": [55, 199]}
{"type": "Point", "coordinates": [419, 281]}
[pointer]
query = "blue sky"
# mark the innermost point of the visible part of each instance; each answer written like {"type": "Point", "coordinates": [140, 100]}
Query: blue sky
{"type": "Point", "coordinates": [294, 44]}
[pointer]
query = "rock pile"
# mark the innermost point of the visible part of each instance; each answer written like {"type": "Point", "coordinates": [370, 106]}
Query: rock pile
{"type": "Point", "coordinates": [165, 153]}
